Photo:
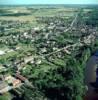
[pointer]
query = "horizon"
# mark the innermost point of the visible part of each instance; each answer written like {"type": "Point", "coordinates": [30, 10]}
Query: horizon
{"type": "Point", "coordinates": [43, 2]}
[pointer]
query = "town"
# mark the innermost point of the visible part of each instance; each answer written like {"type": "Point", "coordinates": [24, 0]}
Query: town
{"type": "Point", "coordinates": [42, 48]}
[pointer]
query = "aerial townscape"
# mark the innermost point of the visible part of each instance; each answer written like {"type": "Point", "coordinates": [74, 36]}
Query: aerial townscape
{"type": "Point", "coordinates": [44, 50]}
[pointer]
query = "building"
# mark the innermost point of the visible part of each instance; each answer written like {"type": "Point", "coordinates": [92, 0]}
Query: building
{"type": "Point", "coordinates": [16, 82]}
{"type": "Point", "coordinates": [38, 61]}
{"type": "Point", "coordinates": [43, 50]}
{"type": "Point", "coordinates": [12, 80]}
{"type": "Point", "coordinates": [20, 77]}
{"type": "Point", "coordinates": [9, 79]}
{"type": "Point", "coordinates": [2, 52]}
{"type": "Point", "coordinates": [28, 59]}
{"type": "Point", "coordinates": [3, 86]}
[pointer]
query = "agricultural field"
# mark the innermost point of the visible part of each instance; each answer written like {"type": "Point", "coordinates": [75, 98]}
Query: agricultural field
{"type": "Point", "coordinates": [30, 13]}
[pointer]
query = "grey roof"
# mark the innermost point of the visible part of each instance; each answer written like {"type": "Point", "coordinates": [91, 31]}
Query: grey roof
{"type": "Point", "coordinates": [2, 85]}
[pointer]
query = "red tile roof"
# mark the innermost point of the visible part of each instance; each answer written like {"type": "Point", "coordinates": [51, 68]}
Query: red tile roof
{"type": "Point", "coordinates": [20, 77]}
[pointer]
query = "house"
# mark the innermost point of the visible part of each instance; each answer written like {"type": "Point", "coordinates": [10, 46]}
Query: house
{"type": "Point", "coordinates": [54, 48]}
{"type": "Point", "coordinates": [16, 82]}
{"type": "Point", "coordinates": [83, 30]}
{"type": "Point", "coordinates": [17, 48]}
{"type": "Point", "coordinates": [11, 50]}
{"type": "Point", "coordinates": [32, 62]}
{"type": "Point", "coordinates": [20, 77]}
{"type": "Point", "coordinates": [9, 78]}
{"type": "Point", "coordinates": [3, 87]}
{"type": "Point", "coordinates": [38, 61]}
{"type": "Point", "coordinates": [28, 59]}
{"type": "Point", "coordinates": [43, 50]}
{"type": "Point", "coordinates": [2, 52]}
{"type": "Point", "coordinates": [12, 80]}
{"type": "Point", "coordinates": [36, 29]}
{"type": "Point", "coordinates": [25, 34]}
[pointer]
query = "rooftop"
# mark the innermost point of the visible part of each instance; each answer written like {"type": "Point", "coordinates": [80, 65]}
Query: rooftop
{"type": "Point", "coordinates": [2, 52]}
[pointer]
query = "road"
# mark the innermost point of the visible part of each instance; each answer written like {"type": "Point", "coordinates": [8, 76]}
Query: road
{"type": "Point", "coordinates": [72, 23]}
{"type": "Point", "coordinates": [65, 48]}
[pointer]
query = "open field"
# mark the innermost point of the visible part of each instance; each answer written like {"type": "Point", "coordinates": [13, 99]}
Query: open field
{"type": "Point", "coordinates": [30, 14]}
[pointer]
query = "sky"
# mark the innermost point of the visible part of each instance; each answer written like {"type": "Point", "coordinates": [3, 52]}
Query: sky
{"type": "Point", "coordinates": [4, 2]}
